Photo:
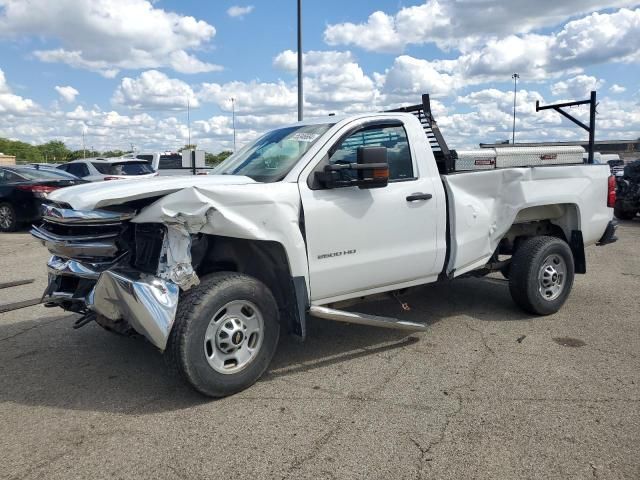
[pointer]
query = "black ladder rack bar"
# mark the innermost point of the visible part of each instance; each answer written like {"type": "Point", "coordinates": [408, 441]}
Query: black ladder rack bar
{"type": "Point", "coordinates": [441, 151]}
{"type": "Point", "coordinates": [591, 128]}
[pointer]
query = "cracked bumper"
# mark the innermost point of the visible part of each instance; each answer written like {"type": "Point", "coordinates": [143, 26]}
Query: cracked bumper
{"type": "Point", "coordinates": [146, 302]}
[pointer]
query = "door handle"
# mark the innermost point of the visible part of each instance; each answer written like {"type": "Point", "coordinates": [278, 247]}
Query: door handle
{"type": "Point", "coordinates": [414, 197]}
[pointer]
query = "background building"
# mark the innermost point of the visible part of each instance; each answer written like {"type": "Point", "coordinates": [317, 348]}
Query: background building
{"type": "Point", "coordinates": [7, 159]}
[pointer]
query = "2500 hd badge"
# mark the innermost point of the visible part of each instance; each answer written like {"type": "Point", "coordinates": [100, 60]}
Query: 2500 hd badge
{"type": "Point", "coordinates": [336, 254]}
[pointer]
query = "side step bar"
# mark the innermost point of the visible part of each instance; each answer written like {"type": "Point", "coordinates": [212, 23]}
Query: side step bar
{"type": "Point", "coordinates": [364, 319]}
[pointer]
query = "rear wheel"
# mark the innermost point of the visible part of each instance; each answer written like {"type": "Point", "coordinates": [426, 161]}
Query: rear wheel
{"type": "Point", "coordinates": [541, 275]}
{"type": "Point", "coordinates": [8, 219]}
{"type": "Point", "coordinates": [225, 334]}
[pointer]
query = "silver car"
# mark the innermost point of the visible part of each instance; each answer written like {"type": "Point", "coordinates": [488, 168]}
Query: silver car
{"type": "Point", "coordinates": [100, 169]}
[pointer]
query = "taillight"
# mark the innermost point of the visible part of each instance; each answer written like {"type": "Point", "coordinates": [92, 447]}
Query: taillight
{"type": "Point", "coordinates": [611, 194]}
{"type": "Point", "coordinates": [39, 191]}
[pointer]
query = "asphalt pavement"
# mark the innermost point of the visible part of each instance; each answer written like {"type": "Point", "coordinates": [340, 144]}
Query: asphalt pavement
{"type": "Point", "coordinates": [488, 392]}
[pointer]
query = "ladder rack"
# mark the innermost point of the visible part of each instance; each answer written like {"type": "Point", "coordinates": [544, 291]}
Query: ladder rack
{"type": "Point", "coordinates": [444, 157]}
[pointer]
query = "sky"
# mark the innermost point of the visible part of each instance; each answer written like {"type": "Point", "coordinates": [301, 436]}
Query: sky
{"type": "Point", "coordinates": [122, 72]}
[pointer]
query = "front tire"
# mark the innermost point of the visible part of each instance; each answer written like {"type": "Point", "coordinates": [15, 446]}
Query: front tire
{"type": "Point", "coordinates": [541, 275]}
{"type": "Point", "coordinates": [225, 334]}
{"type": "Point", "coordinates": [8, 218]}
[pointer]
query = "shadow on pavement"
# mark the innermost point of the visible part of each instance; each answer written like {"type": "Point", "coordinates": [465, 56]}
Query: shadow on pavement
{"type": "Point", "coordinates": [46, 363]}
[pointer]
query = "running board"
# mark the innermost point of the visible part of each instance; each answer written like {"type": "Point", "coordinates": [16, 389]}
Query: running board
{"type": "Point", "coordinates": [364, 319]}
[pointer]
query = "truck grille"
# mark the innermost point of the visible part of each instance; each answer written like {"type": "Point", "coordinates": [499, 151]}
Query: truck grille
{"type": "Point", "coordinates": [96, 236]}
{"type": "Point", "coordinates": [84, 244]}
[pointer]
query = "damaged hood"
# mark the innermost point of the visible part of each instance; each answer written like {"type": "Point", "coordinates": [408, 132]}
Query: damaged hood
{"type": "Point", "coordinates": [89, 196]}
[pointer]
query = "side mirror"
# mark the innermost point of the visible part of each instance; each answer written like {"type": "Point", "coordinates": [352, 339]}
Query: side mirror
{"type": "Point", "coordinates": [373, 167]}
{"type": "Point", "coordinates": [371, 170]}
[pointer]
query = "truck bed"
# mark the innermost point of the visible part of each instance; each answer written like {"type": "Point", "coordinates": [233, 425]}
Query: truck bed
{"type": "Point", "coordinates": [483, 205]}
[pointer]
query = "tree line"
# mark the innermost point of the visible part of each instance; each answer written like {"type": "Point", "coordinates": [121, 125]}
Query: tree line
{"type": "Point", "coordinates": [57, 152]}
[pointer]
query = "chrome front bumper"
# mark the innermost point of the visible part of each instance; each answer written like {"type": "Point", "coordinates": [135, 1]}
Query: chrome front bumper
{"type": "Point", "coordinates": [90, 271]}
{"type": "Point", "coordinates": [147, 303]}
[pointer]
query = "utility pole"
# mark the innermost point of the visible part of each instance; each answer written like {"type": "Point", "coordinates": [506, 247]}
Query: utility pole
{"type": "Point", "coordinates": [84, 152]}
{"type": "Point", "coordinates": [515, 77]}
{"type": "Point", "coordinates": [300, 91]}
{"type": "Point", "coordinates": [188, 123]}
{"type": "Point", "coordinates": [233, 121]}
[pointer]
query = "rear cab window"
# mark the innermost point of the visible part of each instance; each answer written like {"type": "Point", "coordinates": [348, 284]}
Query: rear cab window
{"type": "Point", "coordinates": [172, 161]}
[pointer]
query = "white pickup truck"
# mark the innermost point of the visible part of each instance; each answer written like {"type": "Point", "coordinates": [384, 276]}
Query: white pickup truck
{"type": "Point", "coordinates": [211, 269]}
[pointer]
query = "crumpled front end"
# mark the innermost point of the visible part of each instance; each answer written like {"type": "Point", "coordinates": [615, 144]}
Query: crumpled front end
{"type": "Point", "coordinates": [121, 272]}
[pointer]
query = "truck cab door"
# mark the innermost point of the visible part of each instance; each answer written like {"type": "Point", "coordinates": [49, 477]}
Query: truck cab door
{"type": "Point", "coordinates": [367, 240]}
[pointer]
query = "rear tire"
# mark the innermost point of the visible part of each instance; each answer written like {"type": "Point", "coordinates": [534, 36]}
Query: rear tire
{"type": "Point", "coordinates": [541, 275]}
{"type": "Point", "coordinates": [8, 218]}
{"type": "Point", "coordinates": [225, 334]}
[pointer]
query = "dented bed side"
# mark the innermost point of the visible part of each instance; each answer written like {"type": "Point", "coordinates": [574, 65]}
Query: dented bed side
{"type": "Point", "coordinates": [484, 205]}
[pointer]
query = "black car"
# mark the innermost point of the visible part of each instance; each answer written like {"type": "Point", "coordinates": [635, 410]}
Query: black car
{"type": "Point", "coordinates": [23, 190]}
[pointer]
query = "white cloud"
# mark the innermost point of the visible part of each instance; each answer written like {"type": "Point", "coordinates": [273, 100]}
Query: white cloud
{"type": "Point", "coordinates": [577, 87]}
{"type": "Point", "coordinates": [615, 88]}
{"type": "Point", "coordinates": [252, 97]}
{"type": "Point", "coordinates": [67, 93]}
{"type": "Point", "coordinates": [333, 81]}
{"type": "Point", "coordinates": [108, 35]}
{"type": "Point", "coordinates": [154, 90]}
{"type": "Point", "coordinates": [239, 12]}
{"type": "Point", "coordinates": [11, 104]}
{"type": "Point", "coordinates": [597, 38]}
{"type": "Point", "coordinates": [459, 24]}
{"type": "Point", "coordinates": [410, 77]}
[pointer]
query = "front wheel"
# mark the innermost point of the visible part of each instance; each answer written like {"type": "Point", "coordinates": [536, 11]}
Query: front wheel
{"type": "Point", "coordinates": [541, 275]}
{"type": "Point", "coordinates": [225, 334]}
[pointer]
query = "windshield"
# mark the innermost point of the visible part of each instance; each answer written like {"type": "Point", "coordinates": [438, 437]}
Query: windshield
{"type": "Point", "coordinates": [124, 168]}
{"type": "Point", "coordinates": [270, 158]}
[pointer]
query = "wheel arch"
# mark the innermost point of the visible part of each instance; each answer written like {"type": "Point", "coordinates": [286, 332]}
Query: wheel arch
{"type": "Point", "coordinates": [266, 261]}
{"type": "Point", "coordinates": [557, 220]}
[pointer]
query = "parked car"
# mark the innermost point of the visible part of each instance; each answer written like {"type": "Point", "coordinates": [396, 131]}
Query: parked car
{"type": "Point", "coordinates": [22, 191]}
{"type": "Point", "coordinates": [99, 169]}
{"type": "Point", "coordinates": [211, 269]}
{"type": "Point", "coordinates": [628, 192]}
{"type": "Point", "coordinates": [44, 165]}
{"type": "Point", "coordinates": [168, 163]}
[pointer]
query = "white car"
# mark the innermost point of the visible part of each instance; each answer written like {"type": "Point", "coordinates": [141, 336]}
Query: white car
{"type": "Point", "coordinates": [100, 169]}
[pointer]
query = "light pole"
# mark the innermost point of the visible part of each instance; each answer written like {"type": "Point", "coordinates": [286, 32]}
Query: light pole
{"type": "Point", "coordinates": [233, 121]}
{"type": "Point", "coordinates": [515, 77]}
{"type": "Point", "coordinates": [188, 122]}
{"type": "Point", "coordinates": [300, 91]}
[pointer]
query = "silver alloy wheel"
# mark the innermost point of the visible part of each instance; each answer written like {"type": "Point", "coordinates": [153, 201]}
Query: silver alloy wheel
{"type": "Point", "coordinates": [551, 278]}
{"type": "Point", "coordinates": [6, 217]}
{"type": "Point", "coordinates": [233, 337]}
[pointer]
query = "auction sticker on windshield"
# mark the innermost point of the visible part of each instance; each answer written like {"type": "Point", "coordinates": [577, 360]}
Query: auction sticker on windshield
{"type": "Point", "coordinates": [304, 137]}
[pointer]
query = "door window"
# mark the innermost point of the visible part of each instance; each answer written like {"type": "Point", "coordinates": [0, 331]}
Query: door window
{"type": "Point", "coordinates": [393, 137]}
{"type": "Point", "coordinates": [78, 169]}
